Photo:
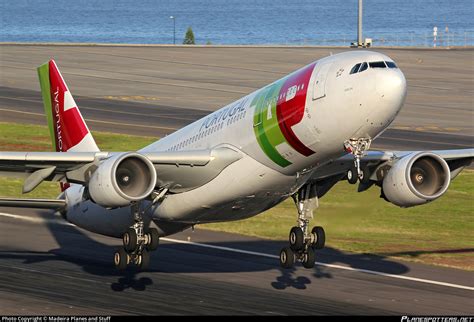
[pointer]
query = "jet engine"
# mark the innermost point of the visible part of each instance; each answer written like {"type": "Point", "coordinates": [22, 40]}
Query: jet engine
{"type": "Point", "coordinates": [122, 179]}
{"type": "Point", "coordinates": [415, 179]}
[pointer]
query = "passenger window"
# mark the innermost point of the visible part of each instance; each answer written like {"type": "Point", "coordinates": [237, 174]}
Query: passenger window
{"type": "Point", "coordinates": [377, 64]}
{"type": "Point", "coordinates": [363, 67]}
{"type": "Point", "coordinates": [391, 64]}
{"type": "Point", "coordinates": [355, 69]}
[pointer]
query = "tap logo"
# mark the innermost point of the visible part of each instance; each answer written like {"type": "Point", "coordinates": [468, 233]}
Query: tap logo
{"type": "Point", "coordinates": [57, 117]}
{"type": "Point", "coordinates": [278, 107]}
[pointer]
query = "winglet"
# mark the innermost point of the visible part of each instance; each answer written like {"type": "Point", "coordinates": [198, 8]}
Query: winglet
{"type": "Point", "coordinates": [67, 127]}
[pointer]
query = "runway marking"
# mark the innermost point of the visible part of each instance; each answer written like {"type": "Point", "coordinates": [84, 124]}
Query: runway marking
{"type": "Point", "coordinates": [49, 273]}
{"type": "Point", "coordinates": [247, 252]}
{"type": "Point", "coordinates": [212, 89]}
{"type": "Point", "coordinates": [428, 129]}
{"type": "Point", "coordinates": [132, 125]}
{"type": "Point", "coordinates": [423, 141]}
{"type": "Point", "coordinates": [98, 121]}
{"type": "Point", "coordinates": [347, 268]}
{"type": "Point", "coordinates": [187, 63]}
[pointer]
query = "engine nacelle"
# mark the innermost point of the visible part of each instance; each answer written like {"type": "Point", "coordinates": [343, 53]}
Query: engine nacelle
{"type": "Point", "coordinates": [122, 179]}
{"type": "Point", "coordinates": [416, 179]}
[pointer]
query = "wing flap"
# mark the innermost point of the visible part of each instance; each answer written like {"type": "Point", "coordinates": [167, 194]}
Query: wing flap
{"type": "Point", "coordinates": [49, 156]}
{"type": "Point", "coordinates": [36, 178]}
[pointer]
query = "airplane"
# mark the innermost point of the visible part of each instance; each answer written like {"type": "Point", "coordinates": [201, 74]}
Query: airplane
{"type": "Point", "coordinates": [296, 137]}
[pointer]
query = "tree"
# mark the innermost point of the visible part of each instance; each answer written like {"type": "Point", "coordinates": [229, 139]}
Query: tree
{"type": "Point", "coordinates": [189, 38]}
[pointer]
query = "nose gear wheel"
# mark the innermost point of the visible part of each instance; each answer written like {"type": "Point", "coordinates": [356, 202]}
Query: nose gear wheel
{"type": "Point", "coordinates": [357, 147]}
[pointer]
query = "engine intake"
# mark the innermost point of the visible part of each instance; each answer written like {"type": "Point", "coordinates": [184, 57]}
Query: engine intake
{"type": "Point", "coordinates": [122, 179]}
{"type": "Point", "coordinates": [417, 179]}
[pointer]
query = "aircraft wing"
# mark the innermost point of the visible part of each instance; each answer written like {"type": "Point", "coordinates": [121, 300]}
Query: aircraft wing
{"type": "Point", "coordinates": [374, 158]}
{"type": "Point", "coordinates": [329, 174]}
{"type": "Point", "coordinates": [177, 171]}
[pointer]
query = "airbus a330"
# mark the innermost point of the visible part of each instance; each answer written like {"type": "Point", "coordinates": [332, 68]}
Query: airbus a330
{"type": "Point", "coordinates": [296, 137]}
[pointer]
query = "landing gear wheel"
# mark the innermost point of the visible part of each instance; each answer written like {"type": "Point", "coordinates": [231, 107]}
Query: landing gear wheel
{"type": "Point", "coordinates": [144, 260]}
{"type": "Point", "coordinates": [308, 258]}
{"type": "Point", "coordinates": [154, 239]}
{"type": "Point", "coordinates": [318, 237]}
{"type": "Point", "coordinates": [352, 176]}
{"type": "Point", "coordinates": [287, 257]}
{"type": "Point", "coordinates": [130, 240]}
{"type": "Point", "coordinates": [296, 238]}
{"type": "Point", "coordinates": [121, 259]}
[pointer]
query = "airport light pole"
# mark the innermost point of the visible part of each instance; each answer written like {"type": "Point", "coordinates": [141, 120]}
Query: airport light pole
{"type": "Point", "coordinates": [174, 29]}
{"type": "Point", "coordinates": [359, 26]}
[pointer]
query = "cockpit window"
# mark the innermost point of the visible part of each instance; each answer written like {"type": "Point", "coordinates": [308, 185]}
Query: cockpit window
{"type": "Point", "coordinates": [363, 67]}
{"type": "Point", "coordinates": [360, 67]}
{"type": "Point", "coordinates": [390, 64]}
{"type": "Point", "coordinates": [355, 69]}
{"type": "Point", "coordinates": [377, 64]}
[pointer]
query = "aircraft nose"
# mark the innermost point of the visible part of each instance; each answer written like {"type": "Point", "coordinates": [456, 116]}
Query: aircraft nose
{"type": "Point", "coordinates": [392, 86]}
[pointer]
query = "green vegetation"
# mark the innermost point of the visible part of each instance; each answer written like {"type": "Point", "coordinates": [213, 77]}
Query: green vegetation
{"type": "Point", "coordinates": [189, 37]}
{"type": "Point", "coordinates": [437, 233]}
{"type": "Point", "coordinates": [26, 137]}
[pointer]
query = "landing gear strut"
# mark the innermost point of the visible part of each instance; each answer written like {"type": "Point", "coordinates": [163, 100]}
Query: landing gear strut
{"type": "Point", "coordinates": [302, 242]}
{"type": "Point", "coordinates": [136, 243]}
{"type": "Point", "coordinates": [357, 147]}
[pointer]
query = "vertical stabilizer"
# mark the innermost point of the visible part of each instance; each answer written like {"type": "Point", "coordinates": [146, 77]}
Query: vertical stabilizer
{"type": "Point", "coordinates": [69, 132]}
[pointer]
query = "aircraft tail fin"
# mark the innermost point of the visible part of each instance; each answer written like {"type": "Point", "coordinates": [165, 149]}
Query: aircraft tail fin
{"type": "Point", "coordinates": [67, 127]}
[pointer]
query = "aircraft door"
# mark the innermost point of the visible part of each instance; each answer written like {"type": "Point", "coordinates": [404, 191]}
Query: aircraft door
{"type": "Point", "coordinates": [319, 86]}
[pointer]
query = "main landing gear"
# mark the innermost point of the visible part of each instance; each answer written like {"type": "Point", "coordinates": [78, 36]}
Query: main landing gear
{"type": "Point", "coordinates": [357, 147]}
{"type": "Point", "coordinates": [302, 242]}
{"type": "Point", "coordinates": [136, 243]}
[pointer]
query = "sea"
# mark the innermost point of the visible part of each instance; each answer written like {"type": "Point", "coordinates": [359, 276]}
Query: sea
{"type": "Point", "coordinates": [239, 22]}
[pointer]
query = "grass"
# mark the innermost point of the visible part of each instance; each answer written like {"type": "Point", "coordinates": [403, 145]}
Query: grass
{"type": "Point", "coordinates": [439, 233]}
{"type": "Point", "coordinates": [23, 137]}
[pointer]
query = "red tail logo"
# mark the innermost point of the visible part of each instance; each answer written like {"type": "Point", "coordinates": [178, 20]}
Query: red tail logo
{"type": "Point", "coordinates": [69, 127]}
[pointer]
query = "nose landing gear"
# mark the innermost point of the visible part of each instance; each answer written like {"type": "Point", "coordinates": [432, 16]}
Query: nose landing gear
{"type": "Point", "coordinates": [136, 243]}
{"type": "Point", "coordinates": [357, 147]}
{"type": "Point", "coordinates": [302, 242]}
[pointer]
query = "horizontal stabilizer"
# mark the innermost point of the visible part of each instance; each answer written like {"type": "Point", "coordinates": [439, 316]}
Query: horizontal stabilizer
{"type": "Point", "coordinates": [55, 204]}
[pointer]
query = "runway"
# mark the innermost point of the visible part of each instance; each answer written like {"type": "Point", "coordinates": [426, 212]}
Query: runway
{"type": "Point", "coordinates": [65, 270]}
{"type": "Point", "coordinates": [51, 268]}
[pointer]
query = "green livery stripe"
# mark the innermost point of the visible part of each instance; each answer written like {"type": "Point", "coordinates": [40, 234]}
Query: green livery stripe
{"type": "Point", "coordinates": [43, 74]}
{"type": "Point", "coordinates": [266, 128]}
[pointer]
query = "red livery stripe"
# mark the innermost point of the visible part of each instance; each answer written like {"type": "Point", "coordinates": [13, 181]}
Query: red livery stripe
{"type": "Point", "coordinates": [291, 112]}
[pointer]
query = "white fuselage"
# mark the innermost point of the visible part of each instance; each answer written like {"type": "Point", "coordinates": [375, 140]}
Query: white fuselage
{"type": "Point", "coordinates": [284, 131]}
